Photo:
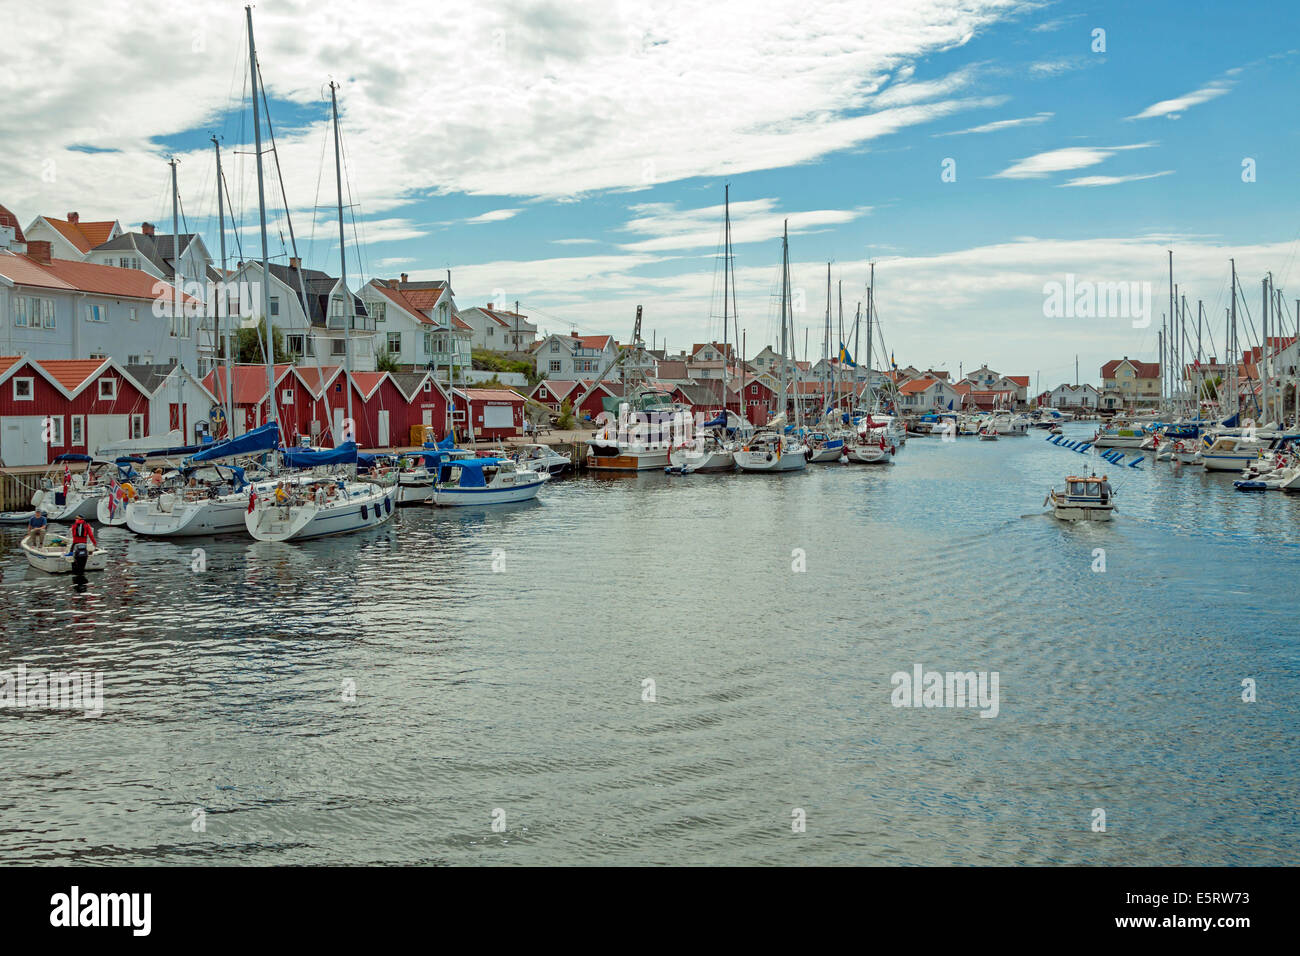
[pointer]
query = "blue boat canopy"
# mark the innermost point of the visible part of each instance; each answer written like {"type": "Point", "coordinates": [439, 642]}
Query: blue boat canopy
{"type": "Point", "coordinates": [472, 471]}
{"type": "Point", "coordinates": [263, 438]}
{"type": "Point", "coordinates": [345, 454]}
{"type": "Point", "coordinates": [71, 457]}
{"type": "Point", "coordinates": [720, 420]}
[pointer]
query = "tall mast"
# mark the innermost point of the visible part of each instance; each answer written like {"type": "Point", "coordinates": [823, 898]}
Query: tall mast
{"type": "Point", "coordinates": [726, 270]}
{"type": "Point", "coordinates": [785, 278]}
{"type": "Point", "coordinates": [223, 317]}
{"type": "Point", "coordinates": [871, 305]}
{"type": "Point", "coordinates": [261, 211]}
{"type": "Point", "coordinates": [1232, 338]}
{"type": "Point", "coordinates": [178, 310]}
{"type": "Point", "coordinates": [343, 254]}
{"type": "Point", "coordinates": [839, 369]}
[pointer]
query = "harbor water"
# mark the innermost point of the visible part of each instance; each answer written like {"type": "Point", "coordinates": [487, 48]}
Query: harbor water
{"type": "Point", "coordinates": [683, 670]}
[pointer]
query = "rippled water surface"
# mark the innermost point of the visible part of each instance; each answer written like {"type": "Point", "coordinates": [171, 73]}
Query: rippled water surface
{"type": "Point", "coordinates": [520, 690]}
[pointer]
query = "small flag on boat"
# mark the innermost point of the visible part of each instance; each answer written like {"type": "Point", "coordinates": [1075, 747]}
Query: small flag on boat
{"type": "Point", "coordinates": [252, 499]}
{"type": "Point", "coordinates": [846, 358]}
{"type": "Point", "coordinates": [892, 363]}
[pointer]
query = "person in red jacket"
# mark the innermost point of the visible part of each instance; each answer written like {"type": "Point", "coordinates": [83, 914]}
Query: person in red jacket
{"type": "Point", "coordinates": [83, 533]}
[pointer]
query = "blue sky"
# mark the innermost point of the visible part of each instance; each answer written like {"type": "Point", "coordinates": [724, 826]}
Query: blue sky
{"type": "Point", "coordinates": [570, 156]}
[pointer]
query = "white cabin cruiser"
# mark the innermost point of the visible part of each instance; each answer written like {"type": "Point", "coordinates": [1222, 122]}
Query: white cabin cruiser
{"type": "Point", "coordinates": [1231, 452]}
{"type": "Point", "coordinates": [65, 495]}
{"type": "Point", "coordinates": [486, 481]}
{"type": "Point", "coordinates": [1084, 499]}
{"type": "Point", "coordinates": [541, 458]}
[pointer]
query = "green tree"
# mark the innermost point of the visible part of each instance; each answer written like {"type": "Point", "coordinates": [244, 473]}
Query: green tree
{"type": "Point", "coordinates": [248, 346]}
{"type": "Point", "coordinates": [385, 362]}
{"type": "Point", "coordinates": [566, 421]}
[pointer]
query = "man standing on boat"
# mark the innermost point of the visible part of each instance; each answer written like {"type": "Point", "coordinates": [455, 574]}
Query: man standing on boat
{"type": "Point", "coordinates": [1106, 491]}
{"type": "Point", "coordinates": [82, 535]}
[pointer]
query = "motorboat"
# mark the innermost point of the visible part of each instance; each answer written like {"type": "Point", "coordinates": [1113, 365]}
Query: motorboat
{"type": "Point", "coordinates": [770, 450]}
{"type": "Point", "coordinates": [822, 448]}
{"type": "Point", "coordinates": [1084, 499]}
{"type": "Point", "coordinates": [1231, 452]}
{"type": "Point", "coordinates": [988, 435]}
{"type": "Point", "coordinates": [1120, 435]}
{"type": "Point", "coordinates": [57, 555]}
{"type": "Point", "coordinates": [541, 458]}
{"type": "Point", "coordinates": [486, 481]}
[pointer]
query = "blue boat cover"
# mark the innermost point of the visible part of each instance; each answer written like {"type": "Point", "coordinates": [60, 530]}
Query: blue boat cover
{"type": "Point", "coordinates": [720, 420]}
{"type": "Point", "coordinates": [345, 454]}
{"type": "Point", "coordinates": [71, 457]}
{"type": "Point", "coordinates": [263, 438]}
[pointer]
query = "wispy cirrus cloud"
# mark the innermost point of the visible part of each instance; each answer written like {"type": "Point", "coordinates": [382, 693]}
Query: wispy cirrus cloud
{"type": "Point", "coordinates": [495, 215]}
{"type": "Point", "coordinates": [996, 125]}
{"type": "Point", "coordinates": [1174, 108]}
{"type": "Point", "coordinates": [1114, 180]}
{"type": "Point", "coordinates": [1044, 164]}
{"type": "Point", "coordinates": [756, 220]}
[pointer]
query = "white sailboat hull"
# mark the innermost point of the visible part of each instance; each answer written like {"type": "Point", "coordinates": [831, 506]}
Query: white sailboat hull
{"type": "Point", "coordinates": [470, 497]}
{"type": "Point", "coordinates": [788, 460]}
{"type": "Point", "coordinates": [77, 503]}
{"type": "Point", "coordinates": [689, 461]}
{"type": "Point", "coordinates": [222, 515]}
{"type": "Point", "coordinates": [271, 522]}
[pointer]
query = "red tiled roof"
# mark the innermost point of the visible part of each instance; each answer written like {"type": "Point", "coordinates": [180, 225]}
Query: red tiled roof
{"type": "Point", "coordinates": [1143, 369]}
{"type": "Point", "coordinates": [86, 277]}
{"type": "Point", "coordinates": [367, 382]}
{"type": "Point", "coordinates": [9, 361]}
{"type": "Point", "coordinates": [1018, 379]}
{"type": "Point", "coordinates": [84, 235]}
{"type": "Point", "coordinates": [918, 385]}
{"type": "Point", "coordinates": [9, 219]}
{"type": "Point", "coordinates": [406, 301]}
{"type": "Point", "coordinates": [490, 395]}
{"type": "Point", "coordinates": [592, 341]}
{"type": "Point", "coordinates": [250, 382]}
{"type": "Point", "coordinates": [317, 377]}
{"type": "Point", "coordinates": [72, 373]}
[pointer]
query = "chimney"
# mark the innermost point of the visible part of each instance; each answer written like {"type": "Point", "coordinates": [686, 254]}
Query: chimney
{"type": "Point", "coordinates": [74, 217]}
{"type": "Point", "coordinates": [404, 277]}
{"type": "Point", "coordinates": [489, 306]}
{"type": "Point", "coordinates": [574, 334]}
{"type": "Point", "coordinates": [146, 228]}
{"type": "Point", "coordinates": [38, 250]}
{"type": "Point", "coordinates": [295, 262]}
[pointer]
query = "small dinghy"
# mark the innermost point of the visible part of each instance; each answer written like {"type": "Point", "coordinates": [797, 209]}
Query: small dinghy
{"type": "Point", "coordinates": [54, 557]}
{"type": "Point", "coordinates": [1084, 499]}
{"type": "Point", "coordinates": [988, 436]}
{"type": "Point", "coordinates": [16, 517]}
{"type": "Point", "coordinates": [1250, 486]}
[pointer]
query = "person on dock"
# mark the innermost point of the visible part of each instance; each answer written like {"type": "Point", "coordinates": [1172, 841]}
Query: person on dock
{"type": "Point", "coordinates": [36, 528]}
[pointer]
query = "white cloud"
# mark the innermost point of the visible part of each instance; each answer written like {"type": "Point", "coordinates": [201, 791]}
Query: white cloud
{"type": "Point", "coordinates": [756, 220]}
{"type": "Point", "coordinates": [596, 96]}
{"type": "Point", "coordinates": [997, 125]}
{"type": "Point", "coordinates": [1180, 104]}
{"type": "Point", "coordinates": [1057, 160]}
{"type": "Point", "coordinates": [575, 242]}
{"type": "Point", "coordinates": [496, 215]}
{"type": "Point", "coordinates": [1113, 180]}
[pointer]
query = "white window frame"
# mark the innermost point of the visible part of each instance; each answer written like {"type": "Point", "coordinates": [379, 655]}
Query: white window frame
{"type": "Point", "coordinates": [133, 313]}
{"type": "Point", "coordinates": [133, 360]}
{"type": "Point", "coordinates": [286, 396]}
{"type": "Point", "coordinates": [338, 348]}
{"type": "Point", "coordinates": [31, 389]}
{"type": "Point", "coordinates": [99, 389]}
{"type": "Point", "coordinates": [56, 430]}
{"type": "Point", "coordinates": [77, 431]}
{"type": "Point", "coordinates": [137, 425]}
{"type": "Point", "coordinates": [96, 312]}
{"type": "Point", "coordinates": [388, 343]}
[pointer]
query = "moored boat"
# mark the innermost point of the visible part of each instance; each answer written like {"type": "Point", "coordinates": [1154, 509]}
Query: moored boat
{"type": "Point", "coordinates": [486, 481]}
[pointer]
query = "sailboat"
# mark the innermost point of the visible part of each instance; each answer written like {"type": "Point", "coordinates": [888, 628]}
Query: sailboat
{"type": "Point", "coordinates": [771, 449]}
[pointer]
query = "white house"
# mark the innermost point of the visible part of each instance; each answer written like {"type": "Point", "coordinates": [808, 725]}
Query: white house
{"type": "Point", "coordinates": [418, 324]}
{"type": "Point", "coordinates": [929, 394]}
{"type": "Point", "coordinates": [574, 356]}
{"type": "Point", "coordinates": [499, 330]}
{"type": "Point", "coordinates": [318, 334]}
{"type": "Point", "coordinates": [1066, 395]}
{"type": "Point", "coordinates": [983, 378]}
{"type": "Point", "coordinates": [70, 309]}
{"type": "Point", "coordinates": [71, 238]}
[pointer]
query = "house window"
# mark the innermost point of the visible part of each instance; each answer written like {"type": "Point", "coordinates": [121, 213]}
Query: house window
{"type": "Point", "coordinates": [555, 346]}
{"type": "Point", "coordinates": [491, 331]}
{"type": "Point", "coordinates": [378, 309]}
{"type": "Point", "coordinates": [336, 306]}
{"type": "Point", "coordinates": [338, 347]}
{"type": "Point", "coordinates": [54, 426]}
{"type": "Point", "coordinates": [78, 430]}
{"type": "Point", "coordinates": [555, 366]}
{"type": "Point", "coordinates": [428, 386]}
{"type": "Point", "coordinates": [98, 356]}
{"type": "Point", "coordinates": [107, 389]}
{"type": "Point", "coordinates": [294, 343]}
{"type": "Point", "coordinates": [286, 396]}
{"type": "Point", "coordinates": [275, 305]}
{"type": "Point", "coordinates": [133, 314]}
{"type": "Point", "coordinates": [133, 360]}
{"type": "Point", "coordinates": [23, 389]}
{"type": "Point", "coordinates": [96, 313]}
{"type": "Point", "coordinates": [137, 426]}
{"type": "Point", "coordinates": [394, 343]}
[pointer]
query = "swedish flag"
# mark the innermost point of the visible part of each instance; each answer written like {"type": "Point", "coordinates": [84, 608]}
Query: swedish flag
{"type": "Point", "coordinates": [892, 363]}
{"type": "Point", "coordinates": [846, 358]}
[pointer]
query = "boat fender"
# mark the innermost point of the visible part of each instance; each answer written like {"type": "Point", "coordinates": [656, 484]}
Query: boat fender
{"type": "Point", "coordinates": [769, 456]}
{"type": "Point", "coordinates": [1134, 462]}
{"type": "Point", "coordinates": [364, 514]}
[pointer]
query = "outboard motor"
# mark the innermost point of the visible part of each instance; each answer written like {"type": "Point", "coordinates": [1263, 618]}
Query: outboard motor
{"type": "Point", "coordinates": [80, 555]}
